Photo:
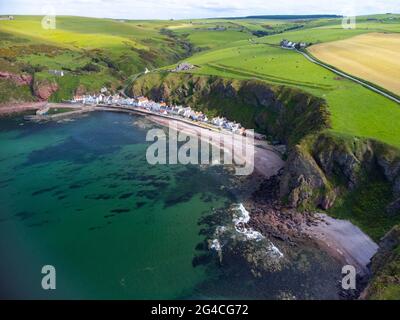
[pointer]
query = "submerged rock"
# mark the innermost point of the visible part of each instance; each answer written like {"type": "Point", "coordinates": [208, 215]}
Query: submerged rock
{"type": "Point", "coordinates": [238, 237]}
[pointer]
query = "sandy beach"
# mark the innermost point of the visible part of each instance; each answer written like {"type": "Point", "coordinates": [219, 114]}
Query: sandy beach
{"type": "Point", "coordinates": [267, 161]}
{"type": "Point", "coordinates": [344, 241]}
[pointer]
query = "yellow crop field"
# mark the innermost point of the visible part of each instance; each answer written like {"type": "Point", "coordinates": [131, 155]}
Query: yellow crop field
{"type": "Point", "coordinates": [374, 57]}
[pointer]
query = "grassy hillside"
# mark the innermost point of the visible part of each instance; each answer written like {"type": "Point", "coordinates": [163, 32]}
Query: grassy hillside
{"type": "Point", "coordinates": [355, 110]}
{"type": "Point", "coordinates": [92, 52]}
{"type": "Point", "coordinates": [280, 112]}
{"type": "Point", "coordinates": [334, 127]}
{"type": "Point", "coordinates": [339, 169]}
{"type": "Point", "coordinates": [105, 52]}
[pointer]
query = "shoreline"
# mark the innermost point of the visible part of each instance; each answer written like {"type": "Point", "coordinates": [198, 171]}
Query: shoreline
{"type": "Point", "coordinates": [266, 160]}
{"type": "Point", "coordinates": [344, 241]}
{"type": "Point", "coordinates": [15, 108]}
{"type": "Point", "coordinates": [339, 238]}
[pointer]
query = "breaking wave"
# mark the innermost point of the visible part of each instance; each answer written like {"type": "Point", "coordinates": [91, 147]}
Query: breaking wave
{"type": "Point", "coordinates": [240, 229]}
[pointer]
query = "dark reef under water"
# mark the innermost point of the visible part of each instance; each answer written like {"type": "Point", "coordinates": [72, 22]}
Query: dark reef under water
{"type": "Point", "coordinates": [80, 195]}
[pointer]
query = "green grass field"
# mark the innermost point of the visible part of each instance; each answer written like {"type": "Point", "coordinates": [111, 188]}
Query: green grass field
{"type": "Point", "coordinates": [117, 48]}
{"type": "Point", "coordinates": [104, 52]}
{"type": "Point", "coordinates": [355, 110]}
{"type": "Point", "coordinates": [222, 47]}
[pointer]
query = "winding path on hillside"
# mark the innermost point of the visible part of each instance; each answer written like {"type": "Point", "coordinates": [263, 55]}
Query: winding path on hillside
{"type": "Point", "coordinates": [347, 76]}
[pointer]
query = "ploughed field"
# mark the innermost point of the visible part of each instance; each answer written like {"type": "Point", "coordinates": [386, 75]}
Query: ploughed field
{"type": "Point", "coordinates": [374, 57]}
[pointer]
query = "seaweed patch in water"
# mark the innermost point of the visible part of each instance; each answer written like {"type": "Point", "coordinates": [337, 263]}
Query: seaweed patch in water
{"type": "Point", "coordinates": [149, 194]}
{"type": "Point", "coordinates": [140, 204]}
{"type": "Point", "coordinates": [35, 193]}
{"type": "Point", "coordinates": [23, 215]}
{"type": "Point", "coordinates": [126, 195]}
{"type": "Point", "coordinates": [202, 246]}
{"type": "Point", "coordinates": [75, 186]}
{"type": "Point", "coordinates": [206, 197]}
{"type": "Point", "coordinates": [38, 224]}
{"type": "Point", "coordinates": [129, 176]}
{"type": "Point", "coordinates": [94, 228]}
{"type": "Point", "coordinates": [99, 197]}
{"type": "Point", "coordinates": [173, 199]}
{"type": "Point", "coordinates": [202, 259]}
{"type": "Point", "coordinates": [158, 184]}
{"type": "Point", "coordinates": [120, 210]}
{"type": "Point", "coordinates": [4, 183]}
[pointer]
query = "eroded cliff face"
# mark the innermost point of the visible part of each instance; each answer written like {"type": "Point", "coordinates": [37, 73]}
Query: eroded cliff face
{"type": "Point", "coordinates": [321, 165]}
{"type": "Point", "coordinates": [385, 268]}
{"type": "Point", "coordinates": [44, 89]}
{"type": "Point", "coordinates": [18, 79]}
{"type": "Point", "coordinates": [285, 114]}
{"type": "Point", "coordinates": [15, 87]}
{"type": "Point", "coordinates": [41, 89]}
{"type": "Point", "coordinates": [326, 166]}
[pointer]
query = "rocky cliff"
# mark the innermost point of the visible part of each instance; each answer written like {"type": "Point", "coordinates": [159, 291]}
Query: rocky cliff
{"type": "Point", "coordinates": [15, 87]}
{"type": "Point", "coordinates": [283, 113]}
{"type": "Point", "coordinates": [385, 267]}
{"type": "Point", "coordinates": [43, 89]}
{"type": "Point", "coordinates": [325, 166]}
{"type": "Point", "coordinates": [32, 88]}
{"type": "Point", "coordinates": [321, 165]}
{"type": "Point", "coordinates": [324, 170]}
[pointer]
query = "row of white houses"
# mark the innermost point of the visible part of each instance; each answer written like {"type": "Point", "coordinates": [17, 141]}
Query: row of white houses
{"type": "Point", "coordinates": [158, 107]}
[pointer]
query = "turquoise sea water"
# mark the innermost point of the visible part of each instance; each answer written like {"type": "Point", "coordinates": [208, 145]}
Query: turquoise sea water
{"type": "Point", "coordinates": [80, 196]}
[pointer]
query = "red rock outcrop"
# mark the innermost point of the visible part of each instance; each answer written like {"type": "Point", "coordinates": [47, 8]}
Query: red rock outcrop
{"type": "Point", "coordinates": [18, 79]}
{"type": "Point", "coordinates": [44, 90]}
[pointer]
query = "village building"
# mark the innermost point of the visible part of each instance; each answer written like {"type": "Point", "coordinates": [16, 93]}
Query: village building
{"type": "Point", "coordinates": [293, 45]}
{"type": "Point", "coordinates": [108, 100]}
{"type": "Point", "coordinates": [141, 101]}
{"type": "Point", "coordinates": [59, 73]}
{"type": "Point", "coordinates": [175, 110]}
{"type": "Point", "coordinates": [218, 121]}
{"type": "Point", "coordinates": [162, 108]}
{"type": "Point", "coordinates": [7, 18]}
{"type": "Point", "coordinates": [184, 66]}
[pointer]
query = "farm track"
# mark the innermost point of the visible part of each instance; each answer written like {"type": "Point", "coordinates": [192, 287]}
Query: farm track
{"type": "Point", "coordinates": [347, 76]}
{"type": "Point", "coordinates": [268, 78]}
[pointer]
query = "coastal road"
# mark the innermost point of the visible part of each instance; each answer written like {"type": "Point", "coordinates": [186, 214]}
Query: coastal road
{"type": "Point", "coordinates": [345, 75]}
